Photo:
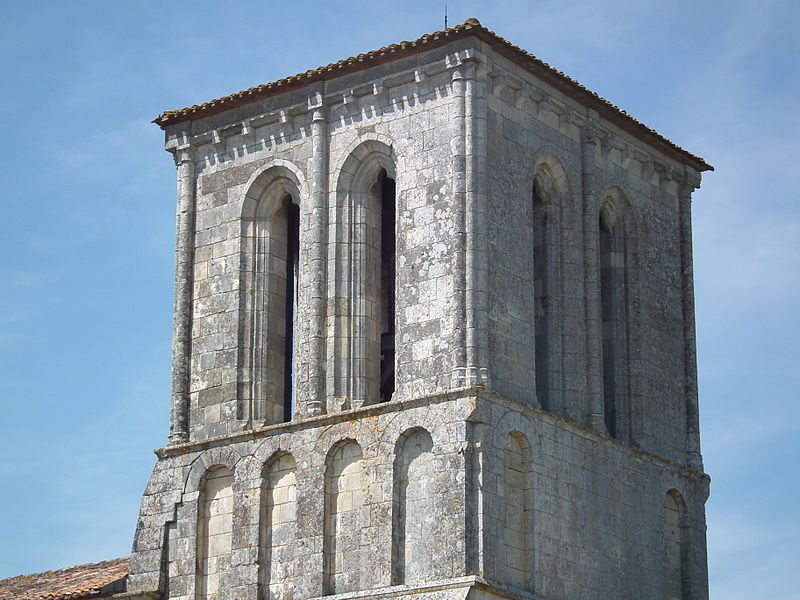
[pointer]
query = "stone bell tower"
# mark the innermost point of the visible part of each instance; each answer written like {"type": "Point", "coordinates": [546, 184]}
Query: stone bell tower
{"type": "Point", "coordinates": [434, 337]}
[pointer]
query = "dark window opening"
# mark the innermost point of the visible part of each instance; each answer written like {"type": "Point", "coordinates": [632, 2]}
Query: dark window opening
{"type": "Point", "coordinates": [292, 260]}
{"type": "Point", "coordinates": [610, 289]}
{"type": "Point", "coordinates": [541, 298]}
{"type": "Point", "coordinates": [388, 285]}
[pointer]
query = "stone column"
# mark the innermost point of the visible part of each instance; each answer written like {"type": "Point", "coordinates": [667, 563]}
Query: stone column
{"type": "Point", "coordinates": [471, 237]}
{"type": "Point", "coordinates": [694, 459]}
{"type": "Point", "coordinates": [591, 245]}
{"type": "Point", "coordinates": [457, 147]}
{"type": "Point", "coordinates": [312, 396]}
{"type": "Point", "coordinates": [477, 229]}
{"type": "Point", "coordinates": [182, 312]}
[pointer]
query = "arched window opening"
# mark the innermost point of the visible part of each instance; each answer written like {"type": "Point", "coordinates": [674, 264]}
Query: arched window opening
{"type": "Point", "coordinates": [278, 529]}
{"type": "Point", "coordinates": [344, 498]}
{"type": "Point", "coordinates": [214, 533]}
{"type": "Point", "coordinates": [413, 559]}
{"type": "Point", "coordinates": [517, 560]}
{"type": "Point", "coordinates": [614, 313]}
{"type": "Point", "coordinates": [388, 284]}
{"type": "Point", "coordinates": [273, 297]}
{"type": "Point", "coordinates": [361, 369]}
{"type": "Point", "coordinates": [675, 557]}
{"type": "Point", "coordinates": [541, 295]}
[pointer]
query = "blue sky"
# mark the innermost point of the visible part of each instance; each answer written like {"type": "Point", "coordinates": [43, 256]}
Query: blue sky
{"type": "Point", "coordinates": [87, 201]}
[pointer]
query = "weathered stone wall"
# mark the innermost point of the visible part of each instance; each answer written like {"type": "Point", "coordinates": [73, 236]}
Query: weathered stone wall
{"type": "Point", "coordinates": [492, 471]}
{"type": "Point", "coordinates": [597, 509]}
{"type": "Point", "coordinates": [597, 506]}
{"type": "Point", "coordinates": [533, 129]}
{"type": "Point", "coordinates": [347, 511]}
{"type": "Point", "coordinates": [376, 119]}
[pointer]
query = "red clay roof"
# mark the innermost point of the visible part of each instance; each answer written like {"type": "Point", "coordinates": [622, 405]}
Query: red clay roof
{"type": "Point", "coordinates": [528, 61]}
{"type": "Point", "coordinates": [82, 581]}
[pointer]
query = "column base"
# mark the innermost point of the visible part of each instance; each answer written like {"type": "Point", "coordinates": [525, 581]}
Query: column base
{"type": "Point", "coordinates": [598, 423]}
{"type": "Point", "coordinates": [469, 377]}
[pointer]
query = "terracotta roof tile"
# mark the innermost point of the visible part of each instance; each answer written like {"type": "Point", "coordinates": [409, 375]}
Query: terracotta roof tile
{"type": "Point", "coordinates": [72, 583]}
{"type": "Point", "coordinates": [525, 59]}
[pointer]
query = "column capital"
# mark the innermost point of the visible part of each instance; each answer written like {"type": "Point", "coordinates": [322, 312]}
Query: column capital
{"type": "Point", "coordinates": [590, 132]}
{"type": "Point", "coordinates": [688, 181]}
{"type": "Point", "coordinates": [465, 69]}
{"type": "Point", "coordinates": [182, 154]}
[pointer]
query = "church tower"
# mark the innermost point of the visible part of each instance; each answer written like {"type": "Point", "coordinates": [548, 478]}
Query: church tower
{"type": "Point", "coordinates": [433, 338]}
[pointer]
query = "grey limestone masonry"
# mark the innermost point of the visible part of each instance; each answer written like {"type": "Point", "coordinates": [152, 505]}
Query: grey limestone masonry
{"type": "Point", "coordinates": [433, 337]}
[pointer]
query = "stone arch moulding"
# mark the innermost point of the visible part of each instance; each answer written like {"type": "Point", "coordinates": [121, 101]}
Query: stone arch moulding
{"type": "Point", "coordinates": [341, 433]}
{"type": "Point", "coordinates": [678, 496]}
{"type": "Point", "coordinates": [270, 448]}
{"type": "Point", "coordinates": [407, 433]}
{"type": "Point", "coordinates": [341, 441]}
{"type": "Point", "coordinates": [202, 464]}
{"type": "Point", "coordinates": [373, 144]}
{"type": "Point", "coordinates": [264, 370]}
{"type": "Point", "coordinates": [547, 163]}
{"type": "Point", "coordinates": [274, 458]}
{"type": "Point", "coordinates": [512, 421]}
{"type": "Point", "coordinates": [390, 436]}
{"type": "Point", "coordinates": [354, 350]}
{"type": "Point", "coordinates": [615, 202]}
{"type": "Point", "coordinates": [277, 170]}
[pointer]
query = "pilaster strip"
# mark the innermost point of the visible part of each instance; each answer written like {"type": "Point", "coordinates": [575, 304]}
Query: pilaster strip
{"type": "Point", "coordinates": [594, 347]}
{"type": "Point", "coordinates": [470, 214]}
{"type": "Point", "coordinates": [479, 230]}
{"type": "Point", "coordinates": [184, 279]}
{"type": "Point", "coordinates": [459, 168]}
{"type": "Point", "coordinates": [694, 458]}
{"type": "Point", "coordinates": [470, 224]}
{"type": "Point", "coordinates": [314, 401]}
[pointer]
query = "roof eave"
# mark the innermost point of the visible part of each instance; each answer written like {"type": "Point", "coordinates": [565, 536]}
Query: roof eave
{"type": "Point", "coordinates": [471, 27]}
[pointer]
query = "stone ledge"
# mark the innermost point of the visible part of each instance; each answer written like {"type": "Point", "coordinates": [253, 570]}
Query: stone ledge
{"type": "Point", "coordinates": [467, 584]}
{"type": "Point", "coordinates": [137, 596]}
{"type": "Point", "coordinates": [474, 391]}
{"type": "Point", "coordinates": [585, 432]}
{"type": "Point", "coordinates": [407, 590]}
{"type": "Point", "coordinates": [316, 421]}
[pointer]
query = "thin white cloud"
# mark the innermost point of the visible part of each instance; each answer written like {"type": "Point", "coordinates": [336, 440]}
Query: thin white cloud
{"type": "Point", "coordinates": [732, 532]}
{"type": "Point", "coordinates": [736, 438]}
{"type": "Point", "coordinates": [758, 565]}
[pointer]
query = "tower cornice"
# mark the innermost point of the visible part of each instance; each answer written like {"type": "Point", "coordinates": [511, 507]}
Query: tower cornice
{"type": "Point", "coordinates": [393, 52]}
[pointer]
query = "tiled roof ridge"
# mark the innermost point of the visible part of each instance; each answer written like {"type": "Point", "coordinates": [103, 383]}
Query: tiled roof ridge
{"type": "Point", "coordinates": [471, 26]}
{"type": "Point", "coordinates": [104, 563]}
{"type": "Point", "coordinates": [173, 116]}
{"type": "Point", "coordinates": [50, 579]}
{"type": "Point", "coordinates": [549, 72]}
